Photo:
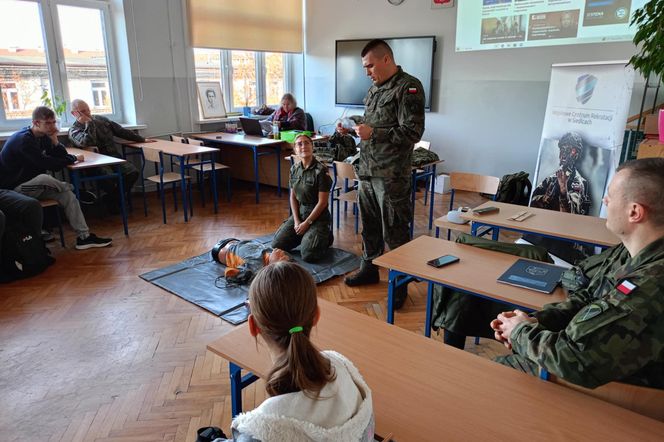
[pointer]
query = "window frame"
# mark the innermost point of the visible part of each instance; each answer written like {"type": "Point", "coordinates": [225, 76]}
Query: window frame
{"type": "Point", "coordinates": [55, 60]}
{"type": "Point", "coordinates": [225, 67]}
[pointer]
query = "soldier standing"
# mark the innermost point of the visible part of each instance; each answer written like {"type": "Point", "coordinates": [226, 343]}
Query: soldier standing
{"type": "Point", "coordinates": [393, 122]}
{"type": "Point", "coordinates": [309, 224]}
{"type": "Point", "coordinates": [610, 328]}
{"type": "Point", "coordinates": [566, 190]}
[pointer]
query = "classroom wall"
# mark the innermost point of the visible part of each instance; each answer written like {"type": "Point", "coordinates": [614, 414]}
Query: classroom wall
{"type": "Point", "coordinates": [488, 106]}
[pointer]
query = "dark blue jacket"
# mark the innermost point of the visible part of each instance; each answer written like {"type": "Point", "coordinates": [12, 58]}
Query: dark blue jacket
{"type": "Point", "coordinates": [24, 156]}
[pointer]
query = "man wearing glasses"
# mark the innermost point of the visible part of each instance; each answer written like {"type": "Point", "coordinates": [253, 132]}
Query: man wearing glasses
{"type": "Point", "coordinates": [24, 160]}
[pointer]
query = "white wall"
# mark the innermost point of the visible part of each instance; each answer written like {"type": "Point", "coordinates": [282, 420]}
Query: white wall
{"type": "Point", "coordinates": [488, 106]}
{"type": "Point", "coordinates": [162, 83]}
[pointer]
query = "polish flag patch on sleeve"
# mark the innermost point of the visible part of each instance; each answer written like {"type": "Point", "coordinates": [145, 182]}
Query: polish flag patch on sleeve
{"type": "Point", "coordinates": [412, 90]}
{"type": "Point", "coordinates": [626, 287]}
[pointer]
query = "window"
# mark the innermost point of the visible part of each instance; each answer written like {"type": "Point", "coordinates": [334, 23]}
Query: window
{"type": "Point", "coordinates": [58, 48]}
{"type": "Point", "coordinates": [247, 78]}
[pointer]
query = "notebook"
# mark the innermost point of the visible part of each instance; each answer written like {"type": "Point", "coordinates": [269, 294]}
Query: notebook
{"type": "Point", "coordinates": [251, 127]}
{"type": "Point", "coordinates": [533, 275]}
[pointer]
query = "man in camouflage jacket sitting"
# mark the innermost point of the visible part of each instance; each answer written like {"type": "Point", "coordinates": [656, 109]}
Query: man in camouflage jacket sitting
{"type": "Point", "coordinates": [610, 328]}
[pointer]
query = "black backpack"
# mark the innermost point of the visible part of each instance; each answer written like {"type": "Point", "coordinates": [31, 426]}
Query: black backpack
{"type": "Point", "coordinates": [514, 189]}
{"type": "Point", "coordinates": [23, 254]}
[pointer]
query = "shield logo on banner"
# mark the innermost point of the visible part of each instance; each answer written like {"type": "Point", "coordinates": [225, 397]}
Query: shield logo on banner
{"type": "Point", "coordinates": [585, 85]}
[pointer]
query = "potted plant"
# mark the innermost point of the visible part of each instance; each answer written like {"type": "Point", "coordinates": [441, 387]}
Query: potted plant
{"type": "Point", "coordinates": [58, 104]}
{"type": "Point", "coordinates": [649, 40]}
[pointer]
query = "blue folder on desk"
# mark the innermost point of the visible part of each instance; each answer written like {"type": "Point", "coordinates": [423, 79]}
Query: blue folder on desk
{"type": "Point", "coordinates": [533, 275]}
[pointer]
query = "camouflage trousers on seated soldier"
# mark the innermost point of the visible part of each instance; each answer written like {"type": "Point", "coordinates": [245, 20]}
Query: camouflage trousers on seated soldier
{"type": "Point", "coordinates": [520, 363]}
{"type": "Point", "coordinates": [313, 243]}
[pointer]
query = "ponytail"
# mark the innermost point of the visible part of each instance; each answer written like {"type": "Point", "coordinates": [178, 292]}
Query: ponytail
{"type": "Point", "coordinates": [284, 306]}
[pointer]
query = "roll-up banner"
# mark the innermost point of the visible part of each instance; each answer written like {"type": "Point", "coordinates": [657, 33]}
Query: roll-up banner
{"type": "Point", "coordinates": [582, 137]}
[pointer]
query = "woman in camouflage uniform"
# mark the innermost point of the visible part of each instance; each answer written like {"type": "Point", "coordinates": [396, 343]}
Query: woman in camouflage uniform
{"type": "Point", "coordinates": [309, 224]}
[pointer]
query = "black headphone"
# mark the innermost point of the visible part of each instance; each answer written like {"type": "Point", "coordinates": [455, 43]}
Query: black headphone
{"type": "Point", "coordinates": [220, 245]}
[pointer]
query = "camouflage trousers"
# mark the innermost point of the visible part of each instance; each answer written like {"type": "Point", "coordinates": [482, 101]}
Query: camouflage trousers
{"type": "Point", "coordinates": [385, 211]}
{"type": "Point", "coordinates": [520, 363]}
{"type": "Point", "coordinates": [313, 244]}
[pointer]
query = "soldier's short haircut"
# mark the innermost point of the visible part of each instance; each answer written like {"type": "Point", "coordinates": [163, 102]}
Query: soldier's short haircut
{"type": "Point", "coordinates": [645, 184]}
{"type": "Point", "coordinates": [378, 47]}
{"type": "Point", "coordinates": [42, 113]}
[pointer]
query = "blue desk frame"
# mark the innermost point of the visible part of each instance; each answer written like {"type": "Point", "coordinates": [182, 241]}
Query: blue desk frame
{"type": "Point", "coordinates": [238, 382]}
{"type": "Point", "coordinates": [429, 172]}
{"type": "Point", "coordinates": [475, 225]}
{"type": "Point", "coordinates": [76, 180]}
{"type": "Point", "coordinates": [256, 154]}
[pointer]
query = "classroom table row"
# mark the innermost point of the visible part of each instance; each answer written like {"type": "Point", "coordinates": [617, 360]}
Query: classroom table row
{"type": "Point", "coordinates": [426, 391]}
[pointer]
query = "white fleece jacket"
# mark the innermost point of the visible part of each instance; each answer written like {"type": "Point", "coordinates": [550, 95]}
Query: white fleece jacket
{"type": "Point", "coordinates": [343, 412]}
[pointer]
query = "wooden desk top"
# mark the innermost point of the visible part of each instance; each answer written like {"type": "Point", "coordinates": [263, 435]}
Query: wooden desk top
{"type": "Point", "coordinates": [477, 271]}
{"type": "Point", "coordinates": [590, 229]}
{"type": "Point", "coordinates": [245, 140]}
{"type": "Point", "coordinates": [92, 159]}
{"type": "Point", "coordinates": [172, 148]}
{"type": "Point", "coordinates": [239, 139]}
{"type": "Point", "coordinates": [426, 391]}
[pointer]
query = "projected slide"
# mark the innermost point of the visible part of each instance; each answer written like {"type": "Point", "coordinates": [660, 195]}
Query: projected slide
{"type": "Point", "coordinates": [500, 24]}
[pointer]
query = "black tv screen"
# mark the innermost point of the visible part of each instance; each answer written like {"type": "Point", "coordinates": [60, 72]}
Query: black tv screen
{"type": "Point", "coordinates": [413, 54]}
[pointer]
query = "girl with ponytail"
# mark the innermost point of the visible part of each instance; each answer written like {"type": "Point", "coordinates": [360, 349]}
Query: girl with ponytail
{"type": "Point", "coordinates": [314, 395]}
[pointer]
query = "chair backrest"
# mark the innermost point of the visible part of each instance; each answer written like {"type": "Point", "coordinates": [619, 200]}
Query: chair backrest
{"type": "Point", "coordinates": [176, 139]}
{"type": "Point", "coordinates": [474, 183]}
{"type": "Point", "coordinates": [153, 155]}
{"type": "Point", "coordinates": [423, 144]}
{"type": "Point", "coordinates": [643, 400]}
{"type": "Point", "coordinates": [344, 171]}
{"type": "Point", "coordinates": [309, 122]}
{"type": "Point", "coordinates": [194, 142]}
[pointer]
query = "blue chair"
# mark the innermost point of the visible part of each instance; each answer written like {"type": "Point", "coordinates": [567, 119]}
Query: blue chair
{"type": "Point", "coordinates": [202, 169]}
{"type": "Point", "coordinates": [344, 188]}
{"type": "Point", "coordinates": [162, 178]}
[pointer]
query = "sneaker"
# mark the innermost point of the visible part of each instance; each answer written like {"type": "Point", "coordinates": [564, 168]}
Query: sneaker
{"type": "Point", "coordinates": [88, 198]}
{"type": "Point", "coordinates": [47, 236]}
{"type": "Point", "coordinates": [92, 241]}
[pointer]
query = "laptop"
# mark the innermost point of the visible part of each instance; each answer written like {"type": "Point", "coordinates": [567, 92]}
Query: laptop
{"type": "Point", "coordinates": [251, 127]}
{"type": "Point", "coordinates": [533, 275]}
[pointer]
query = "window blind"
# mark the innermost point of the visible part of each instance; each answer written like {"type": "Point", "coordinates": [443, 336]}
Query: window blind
{"type": "Point", "coordinates": [251, 25]}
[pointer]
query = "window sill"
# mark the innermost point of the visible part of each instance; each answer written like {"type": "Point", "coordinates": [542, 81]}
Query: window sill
{"type": "Point", "coordinates": [64, 130]}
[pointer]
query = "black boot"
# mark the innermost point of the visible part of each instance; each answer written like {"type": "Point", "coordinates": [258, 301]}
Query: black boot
{"type": "Point", "coordinates": [368, 274]}
{"type": "Point", "coordinates": [400, 296]}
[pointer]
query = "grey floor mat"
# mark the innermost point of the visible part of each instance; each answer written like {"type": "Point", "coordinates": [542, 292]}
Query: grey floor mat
{"type": "Point", "coordinates": [200, 280]}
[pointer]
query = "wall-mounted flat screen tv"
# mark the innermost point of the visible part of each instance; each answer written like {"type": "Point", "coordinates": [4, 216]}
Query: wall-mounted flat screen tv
{"type": "Point", "coordinates": [413, 54]}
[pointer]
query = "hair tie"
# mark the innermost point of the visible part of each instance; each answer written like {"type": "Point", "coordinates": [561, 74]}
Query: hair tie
{"type": "Point", "coordinates": [295, 329]}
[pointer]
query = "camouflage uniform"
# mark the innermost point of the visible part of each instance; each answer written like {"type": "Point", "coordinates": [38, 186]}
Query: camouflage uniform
{"type": "Point", "coordinates": [547, 195]}
{"type": "Point", "coordinates": [600, 334]}
{"type": "Point", "coordinates": [100, 132]}
{"type": "Point", "coordinates": [395, 111]}
{"type": "Point", "coordinates": [306, 184]}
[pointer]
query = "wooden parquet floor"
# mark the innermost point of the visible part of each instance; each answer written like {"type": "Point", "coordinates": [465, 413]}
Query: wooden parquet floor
{"type": "Point", "coordinates": [90, 352]}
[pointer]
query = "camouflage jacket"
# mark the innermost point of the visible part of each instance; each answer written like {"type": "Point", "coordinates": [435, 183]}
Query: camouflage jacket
{"type": "Point", "coordinates": [395, 111]}
{"type": "Point", "coordinates": [604, 331]}
{"type": "Point", "coordinates": [547, 195]}
{"type": "Point", "coordinates": [100, 132]}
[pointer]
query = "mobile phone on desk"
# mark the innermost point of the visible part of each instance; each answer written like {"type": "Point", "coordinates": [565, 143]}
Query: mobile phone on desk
{"type": "Point", "coordinates": [442, 261]}
{"type": "Point", "coordinates": [485, 210]}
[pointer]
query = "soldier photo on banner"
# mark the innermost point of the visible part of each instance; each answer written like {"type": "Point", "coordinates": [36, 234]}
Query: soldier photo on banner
{"type": "Point", "coordinates": [571, 175]}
